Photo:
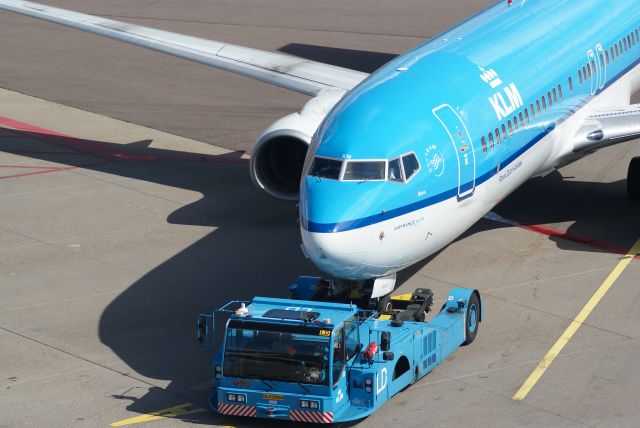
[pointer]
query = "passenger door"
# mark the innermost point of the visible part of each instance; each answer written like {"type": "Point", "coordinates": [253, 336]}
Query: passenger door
{"type": "Point", "coordinates": [465, 154]}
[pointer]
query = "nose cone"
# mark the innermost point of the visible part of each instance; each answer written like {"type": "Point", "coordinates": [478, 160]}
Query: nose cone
{"type": "Point", "coordinates": [339, 254]}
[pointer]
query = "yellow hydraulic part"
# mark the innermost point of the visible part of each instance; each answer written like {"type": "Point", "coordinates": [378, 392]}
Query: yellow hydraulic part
{"type": "Point", "coordinates": [402, 297]}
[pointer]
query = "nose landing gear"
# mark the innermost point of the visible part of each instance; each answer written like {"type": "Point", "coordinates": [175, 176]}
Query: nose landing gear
{"type": "Point", "coordinates": [633, 179]}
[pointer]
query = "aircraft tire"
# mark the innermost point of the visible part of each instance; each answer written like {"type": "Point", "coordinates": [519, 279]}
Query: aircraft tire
{"type": "Point", "coordinates": [385, 304]}
{"type": "Point", "coordinates": [633, 179]}
{"type": "Point", "coordinates": [472, 319]}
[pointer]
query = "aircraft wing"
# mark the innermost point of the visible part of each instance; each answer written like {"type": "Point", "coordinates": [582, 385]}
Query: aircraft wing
{"type": "Point", "coordinates": [287, 71]}
{"type": "Point", "coordinates": [608, 128]}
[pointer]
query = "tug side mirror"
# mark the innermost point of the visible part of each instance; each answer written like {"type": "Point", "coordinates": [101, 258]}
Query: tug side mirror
{"type": "Point", "coordinates": [385, 341]}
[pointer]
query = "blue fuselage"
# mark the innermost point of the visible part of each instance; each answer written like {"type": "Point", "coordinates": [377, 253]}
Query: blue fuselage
{"type": "Point", "coordinates": [471, 105]}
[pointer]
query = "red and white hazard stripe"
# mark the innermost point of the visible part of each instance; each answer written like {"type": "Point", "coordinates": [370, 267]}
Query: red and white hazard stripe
{"type": "Point", "coordinates": [313, 417]}
{"type": "Point", "coordinates": [237, 409]}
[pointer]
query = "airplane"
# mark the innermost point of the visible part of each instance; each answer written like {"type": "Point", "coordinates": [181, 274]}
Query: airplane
{"type": "Point", "coordinates": [391, 167]}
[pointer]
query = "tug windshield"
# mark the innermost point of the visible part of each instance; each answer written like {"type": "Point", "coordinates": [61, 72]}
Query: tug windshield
{"type": "Point", "coordinates": [277, 356]}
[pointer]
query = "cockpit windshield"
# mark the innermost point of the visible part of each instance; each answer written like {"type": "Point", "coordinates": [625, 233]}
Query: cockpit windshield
{"type": "Point", "coordinates": [364, 170]}
{"type": "Point", "coordinates": [400, 169]}
{"type": "Point", "coordinates": [277, 356]}
{"type": "Point", "coordinates": [326, 168]}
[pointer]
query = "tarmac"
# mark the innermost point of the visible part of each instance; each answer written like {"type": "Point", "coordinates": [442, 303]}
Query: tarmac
{"type": "Point", "coordinates": [126, 209]}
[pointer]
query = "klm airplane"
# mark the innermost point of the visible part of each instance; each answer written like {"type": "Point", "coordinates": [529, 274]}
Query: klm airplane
{"type": "Point", "coordinates": [391, 167]}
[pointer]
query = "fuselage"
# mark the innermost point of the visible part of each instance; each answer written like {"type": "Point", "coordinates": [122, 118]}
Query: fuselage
{"type": "Point", "coordinates": [426, 146]}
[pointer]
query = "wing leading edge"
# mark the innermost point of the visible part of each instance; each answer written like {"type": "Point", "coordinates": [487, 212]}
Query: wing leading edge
{"type": "Point", "coordinates": [608, 128]}
{"type": "Point", "coordinates": [289, 72]}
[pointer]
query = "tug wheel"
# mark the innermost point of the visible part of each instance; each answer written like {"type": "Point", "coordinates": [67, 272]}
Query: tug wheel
{"type": "Point", "coordinates": [633, 179]}
{"type": "Point", "coordinates": [472, 319]}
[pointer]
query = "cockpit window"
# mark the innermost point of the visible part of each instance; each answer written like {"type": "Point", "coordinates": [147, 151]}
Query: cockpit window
{"type": "Point", "coordinates": [326, 168]}
{"type": "Point", "coordinates": [395, 170]}
{"type": "Point", "coordinates": [364, 170]}
{"type": "Point", "coordinates": [410, 164]}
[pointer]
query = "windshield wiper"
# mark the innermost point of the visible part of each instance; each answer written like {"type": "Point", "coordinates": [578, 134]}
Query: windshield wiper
{"type": "Point", "coordinates": [266, 383]}
{"type": "Point", "coordinates": [307, 390]}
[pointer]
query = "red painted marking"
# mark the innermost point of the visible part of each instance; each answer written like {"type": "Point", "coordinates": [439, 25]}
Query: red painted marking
{"type": "Point", "coordinates": [549, 231]}
{"type": "Point", "coordinates": [41, 170]}
{"type": "Point", "coordinates": [98, 149]}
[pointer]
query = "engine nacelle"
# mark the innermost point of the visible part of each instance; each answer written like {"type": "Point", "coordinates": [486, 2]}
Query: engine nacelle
{"type": "Point", "coordinates": [277, 158]}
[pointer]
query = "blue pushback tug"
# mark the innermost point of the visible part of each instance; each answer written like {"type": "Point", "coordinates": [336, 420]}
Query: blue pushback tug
{"type": "Point", "coordinates": [309, 359]}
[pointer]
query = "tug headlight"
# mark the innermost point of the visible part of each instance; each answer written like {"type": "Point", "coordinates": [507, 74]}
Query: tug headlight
{"type": "Point", "coordinates": [309, 404]}
{"type": "Point", "coordinates": [218, 371]}
{"type": "Point", "coordinates": [367, 385]}
{"type": "Point", "coordinates": [239, 398]}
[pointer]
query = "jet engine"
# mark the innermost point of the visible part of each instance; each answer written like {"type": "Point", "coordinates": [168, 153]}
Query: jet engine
{"type": "Point", "coordinates": [277, 158]}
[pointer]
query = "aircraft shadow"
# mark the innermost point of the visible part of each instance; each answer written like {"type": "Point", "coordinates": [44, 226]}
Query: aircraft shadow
{"type": "Point", "coordinates": [255, 250]}
{"type": "Point", "coordinates": [365, 61]}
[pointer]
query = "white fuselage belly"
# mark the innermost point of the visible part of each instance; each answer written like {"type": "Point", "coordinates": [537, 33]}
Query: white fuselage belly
{"type": "Point", "coordinates": [387, 247]}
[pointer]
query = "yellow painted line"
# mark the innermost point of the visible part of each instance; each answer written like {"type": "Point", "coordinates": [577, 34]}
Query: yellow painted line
{"type": "Point", "coordinates": [576, 323]}
{"type": "Point", "coordinates": [171, 412]}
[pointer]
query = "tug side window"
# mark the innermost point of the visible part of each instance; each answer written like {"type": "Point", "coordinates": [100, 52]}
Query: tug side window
{"type": "Point", "coordinates": [338, 356]}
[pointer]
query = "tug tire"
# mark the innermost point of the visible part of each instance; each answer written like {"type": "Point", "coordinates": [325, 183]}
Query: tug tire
{"type": "Point", "coordinates": [472, 319]}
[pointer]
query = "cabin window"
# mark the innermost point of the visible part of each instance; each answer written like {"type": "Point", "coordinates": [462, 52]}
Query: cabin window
{"type": "Point", "coordinates": [326, 168]}
{"type": "Point", "coordinates": [549, 98]}
{"type": "Point", "coordinates": [570, 84]}
{"type": "Point", "coordinates": [544, 104]}
{"type": "Point", "coordinates": [617, 51]}
{"type": "Point", "coordinates": [593, 68]}
{"type": "Point", "coordinates": [504, 132]}
{"type": "Point", "coordinates": [589, 70]}
{"type": "Point", "coordinates": [483, 141]}
{"type": "Point", "coordinates": [515, 124]}
{"type": "Point", "coordinates": [620, 45]}
{"type": "Point", "coordinates": [521, 117]}
{"type": "Point", "coordinates": [491, 143]}
{"type": "Point", "coordinates": [533, 112]}
{"type": "Point", "coordinates": [410, 165]}
{"type": "Point", "coordinates": [526, 115]}
{"type": "Point", "coordinates": [364, 171]}
{"type": "Point", "coordinates": [395, 170]}
{"type": "Point", "coordinates": [601, 61]}
{"type": "Point", "coordinates": [637, 39]}
{"type": "Point", "coordinates": [555, 96]}
{"type": "Point", "coordinates": [538, 106]}
{"type": "Point", "coordinates": [606, 56]}
{"type": "Point", "coordinates": [580, 76]}
{"type": "Point", "coordinates": [510, 128]}
{"type": "Point", "coordinates": [498, 139]}
{"type": "Point", "coordinates": [612, 54]}
{"type": "Point", "coordinates": [626, 46]}
{"type": "Point", "coordinates": [560, 91]}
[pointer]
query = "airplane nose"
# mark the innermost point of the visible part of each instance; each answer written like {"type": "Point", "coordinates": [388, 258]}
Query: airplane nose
{"type": "Point", "coordinates": [340, 255]}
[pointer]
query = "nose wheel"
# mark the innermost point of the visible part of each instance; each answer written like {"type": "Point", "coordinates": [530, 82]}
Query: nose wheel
{"type": "Point", "coordinates": [633, 179]}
